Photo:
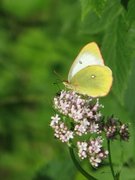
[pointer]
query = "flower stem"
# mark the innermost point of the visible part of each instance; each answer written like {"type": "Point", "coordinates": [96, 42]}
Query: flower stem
{"type": "Point", "coordinates": [76, 163]}
{"type": "Point", "coordinates": [110, 160]}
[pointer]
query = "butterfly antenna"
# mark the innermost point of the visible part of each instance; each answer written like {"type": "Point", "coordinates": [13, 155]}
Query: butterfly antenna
{"type": "Point", "coordinates": [58, 75]}
{"type": "Point", "coordinates": [59, 80]}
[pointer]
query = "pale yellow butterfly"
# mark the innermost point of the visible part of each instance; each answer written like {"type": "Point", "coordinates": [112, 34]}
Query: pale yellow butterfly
{"type": "Point", "coordinates": [88, 75]}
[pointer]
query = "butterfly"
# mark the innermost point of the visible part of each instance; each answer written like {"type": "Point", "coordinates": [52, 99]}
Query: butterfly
{"type": "Point", "coordinates": [88, 74]}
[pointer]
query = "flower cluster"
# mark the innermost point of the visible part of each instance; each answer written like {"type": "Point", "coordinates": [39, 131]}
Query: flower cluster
{"type": "Point", "coordinates": [124, 132]}
{"type": "Point", "coordinates": [93, 150]}
{"type": "Point", "coordinates": [60, 129]}
{"type": "Point", "coordinates": [82, 111]}
{"type": "Point", "coordinates": [80, 115]}
{"type": "Point", "coordinates": [114, 128]}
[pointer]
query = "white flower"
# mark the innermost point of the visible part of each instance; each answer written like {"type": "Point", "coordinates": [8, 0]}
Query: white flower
{"type": "Point", "coordinates": [82, 127]}
{"type": "Point", "coordinates": [89, 113]}
{"type": "Point", "coordinates": [62, 133]}
{"type": "Point", "coordinates": [69, 135]}
{"type": "Point", "coordinates": [95, 161]}
{"type": "Point", "coordinates": [95, 145]}
{"type": "Point", "coordinates": [94, 127]}
{"type": "Point", "coordinates": [55, 120]}
{"type": "Point", "coordinates": [82, 149]}
{"type": "Point", "coordinates": [97, 116]}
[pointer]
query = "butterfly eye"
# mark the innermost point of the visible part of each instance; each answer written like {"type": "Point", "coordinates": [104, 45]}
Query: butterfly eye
{"type": "Point", "coordinates": [93, 76]}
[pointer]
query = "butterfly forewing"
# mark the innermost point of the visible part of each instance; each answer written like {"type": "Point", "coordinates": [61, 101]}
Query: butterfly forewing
{"type": "Point", "coordinates": [89, 55]}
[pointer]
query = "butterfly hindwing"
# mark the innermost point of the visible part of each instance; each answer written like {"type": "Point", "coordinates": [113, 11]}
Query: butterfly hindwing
{"type": "Point", "coordinates": [93, 80]}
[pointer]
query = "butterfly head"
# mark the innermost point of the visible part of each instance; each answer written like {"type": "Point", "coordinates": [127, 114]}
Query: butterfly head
{"type": "Point", "coordinates": [67, 84]}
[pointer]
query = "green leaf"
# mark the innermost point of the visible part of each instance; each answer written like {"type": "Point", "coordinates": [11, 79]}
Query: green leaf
{"type": "Point", "coordinates": [117, 50]}
{"type": "Point", "coordinates": [130, 92]}
{"type": "Point", "coordinates": [125, 3]}
{"type": "Point", "coordinates": [93, 23]}
{"type": "Point", "coordinates": [85, 6]}
{"type": "Point", "coordinates": [92, 5]}
{"type": "Point", "coordinates": [98, 6]}
{"type": "Point", "coordinates": [128, 173]}
{"type": "Point", "coordinates": [129, 95]}
{"type": "Point", "coordinates": [22, 8]}
{"type": "Point", "coordinates": [131, 10]}
{"type": "Point", "coordinates": [57, 169]}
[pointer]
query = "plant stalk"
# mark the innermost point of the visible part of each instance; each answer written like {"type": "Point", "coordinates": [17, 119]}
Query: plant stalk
{"type": "Point", "coordinates": [110, 160]}
{"type": "Point", "coordinates": [78, 166]}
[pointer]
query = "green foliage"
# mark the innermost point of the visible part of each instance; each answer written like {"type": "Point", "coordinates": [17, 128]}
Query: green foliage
{"type": "Point", "coordinates": [125, 3]}
{"type": "Point", "coordinates": [94, 24]}
{"type": "Point", "coordinates": [115, 48]}
{"type": "Point", "coordinates": [92, 5]}
{"type": "Point", "coordinates": [38, 37]}
{"type": "Point", "coordinates": [23, 8]}
{"type": "Point", "coordinates": [57, 166]}
{"type": "Point", "coordinates": [130, 92]}
{"type": "Point", "coordinates": [131, 10]}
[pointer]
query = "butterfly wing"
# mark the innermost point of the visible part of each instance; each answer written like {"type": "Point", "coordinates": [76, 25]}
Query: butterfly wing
{"type": "Point", "coordinates": [89, 55]}
{"type": "Point", "coordinates": [94, 81]}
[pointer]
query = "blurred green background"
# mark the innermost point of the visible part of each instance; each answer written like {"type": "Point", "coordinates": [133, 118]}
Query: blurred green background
{"type": "Point", "coordinates": [38, 37]}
